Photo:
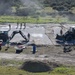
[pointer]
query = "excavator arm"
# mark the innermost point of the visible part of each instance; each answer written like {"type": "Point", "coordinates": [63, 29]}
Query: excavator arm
{"type": "Point", "coordinates": [23, 35]}
{"type": "Point", "coordinates": [15, 32]}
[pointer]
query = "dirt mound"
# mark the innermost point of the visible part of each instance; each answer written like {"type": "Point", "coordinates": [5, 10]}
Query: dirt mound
{"type": "Point", "coordinates": [38, 66]}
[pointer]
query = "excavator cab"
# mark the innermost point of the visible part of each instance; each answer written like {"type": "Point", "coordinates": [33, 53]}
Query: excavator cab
{"type": "Point", "coordinates": [4, 35]}
{"type": "Point", "coordinates": [70, 34]}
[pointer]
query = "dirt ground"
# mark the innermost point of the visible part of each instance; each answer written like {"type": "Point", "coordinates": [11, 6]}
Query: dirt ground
{"type": "Point", "coordinates": [43, 53]}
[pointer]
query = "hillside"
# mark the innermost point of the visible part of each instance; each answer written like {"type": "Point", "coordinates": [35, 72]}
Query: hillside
{"type": "Point", "coordinates": [6, 6]}
{"type": "Point", "coordinates": [38, 8]}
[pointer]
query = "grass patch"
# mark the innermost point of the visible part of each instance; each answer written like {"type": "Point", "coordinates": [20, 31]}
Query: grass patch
{"type": "Point", "coordinates": [64, 71]}
{"type": "Point", "coordinates": [6, 70]}
{"type": "Point", "coordinates": [21, 19]}
{"type": "Point", "coordinates": [15, 63]}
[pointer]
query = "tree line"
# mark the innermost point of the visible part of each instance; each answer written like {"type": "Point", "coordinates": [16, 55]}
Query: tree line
{"type": "Point", "coordinates": [59, 5]}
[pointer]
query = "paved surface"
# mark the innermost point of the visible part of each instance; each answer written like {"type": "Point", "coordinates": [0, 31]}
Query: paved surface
{"type": "Point", "coordinates": [43, 34]}
{"type": "Point", "coordinates": [36, 33]}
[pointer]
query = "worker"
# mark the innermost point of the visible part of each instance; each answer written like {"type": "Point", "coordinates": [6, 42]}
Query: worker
{"type": "Point", "coordinates": [24, 25]}
{"type": "Point", "coordinates": [1, 44]}
{"type": "Point", "coordinates": [61, 32]}
{"type": "Point", "coordinates": [28, 36]}
{"type": "Point", "coordinates": [9, 26]}
{"type": "Point", "coordinates": [34, 48]}
{"type": "Point", "coordinates": [21, 26]}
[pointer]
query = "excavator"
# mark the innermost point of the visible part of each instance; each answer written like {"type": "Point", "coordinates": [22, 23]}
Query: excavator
{"type": "Point", "coordinates": [68, 36]}
{"type": "Point", "coordinates": [4, 36]}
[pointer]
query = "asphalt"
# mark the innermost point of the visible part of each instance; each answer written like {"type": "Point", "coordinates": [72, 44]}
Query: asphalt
{"type": "Point", "coordinates": [36, 33]}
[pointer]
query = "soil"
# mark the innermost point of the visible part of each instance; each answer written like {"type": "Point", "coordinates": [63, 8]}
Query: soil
{"type": "Point", "coordinates": [53, 54]}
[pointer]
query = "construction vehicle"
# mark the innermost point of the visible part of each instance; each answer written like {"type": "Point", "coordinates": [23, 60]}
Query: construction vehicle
{"type": "Point", "coordinates": [68, 36]}
{"type": "Point", "coordinates": [4, 35]}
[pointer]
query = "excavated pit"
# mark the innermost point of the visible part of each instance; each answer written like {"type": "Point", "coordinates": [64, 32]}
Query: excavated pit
{"type": "Point", "coordinates": [38, 66]}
